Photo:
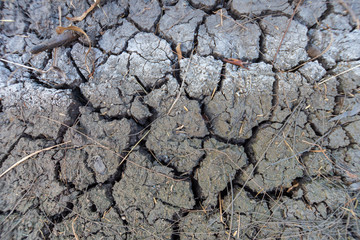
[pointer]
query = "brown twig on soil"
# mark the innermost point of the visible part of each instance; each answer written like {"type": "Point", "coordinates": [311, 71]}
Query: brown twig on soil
{"type": "Point", "coordinates": [55, 42]}
{"type": "Point", "coordinates": [80, 18]}
{"type": "Point", "coordinates": [286, 30]}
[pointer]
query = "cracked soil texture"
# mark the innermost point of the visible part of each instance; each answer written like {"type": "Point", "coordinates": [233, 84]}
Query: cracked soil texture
{"type": "Point", "coordinates": [153, 134]}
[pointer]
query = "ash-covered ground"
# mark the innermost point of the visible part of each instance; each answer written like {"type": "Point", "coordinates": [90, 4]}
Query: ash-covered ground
{"type": "Point", "coordinates": [153, 134]}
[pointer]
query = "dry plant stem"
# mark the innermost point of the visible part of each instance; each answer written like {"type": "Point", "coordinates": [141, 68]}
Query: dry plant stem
{"type": "Point", "coordinates": [31, 155]}
{"type": "Point", "coordinates": [132, 149]}
{"type": "Point", "coordinates": [316, 57]}
{"type": "Point", "coordinates": [55, 42]}
{"type": "Point", "coordinates": [351, 12]}
{"type": "Point", "coordinates": [80, 18]}
{"type": "Point", "coordinates": [21, 65]}
{"type": "Point", "coordinates": [286, 30]}
{"type": "Point", "coordinates": [182, 85]}
{"type": "Point", "coordinates": [73, 228]}
{"type": "Point", "coordinates": [324, 81]}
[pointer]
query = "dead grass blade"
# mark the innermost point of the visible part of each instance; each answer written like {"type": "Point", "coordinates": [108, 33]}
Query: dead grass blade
{"type": "Point", "coordinates": [73, 228]}
{"type": "Point", "coordinates": [31, 155]}
{"type": "Point", "coordinates": [317, 56]}
{"type": "Point", "coordinates": [182, 85]}
{"type": "Point", "coordinates": [178, 52]}
{"type": "Point", "coordinates": [351, 12]}
{"type": "Point", "coordinates": [133, 147]}
{"type": "Point", "coordinates": [286, 30]}
{"type": "Point", "coordinates": [328, 79]}
{"type": "Point", "coordinates": [24, 66]}
{"type": "Point", "coordinates": [60, 30]}
{"type": "Point", "coordinates": [80, 18]}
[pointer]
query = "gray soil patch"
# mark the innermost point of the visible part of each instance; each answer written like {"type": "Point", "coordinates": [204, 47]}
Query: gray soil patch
{"type": "Point", "coordinates": [155, 134]}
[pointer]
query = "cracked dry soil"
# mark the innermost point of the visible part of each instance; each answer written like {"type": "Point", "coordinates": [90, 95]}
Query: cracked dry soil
{"type": "Point", "coordinates": [158, 146]}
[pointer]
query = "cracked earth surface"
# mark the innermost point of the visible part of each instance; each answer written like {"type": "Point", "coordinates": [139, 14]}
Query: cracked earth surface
{"type": "Point", "coordinates": [162, 143]}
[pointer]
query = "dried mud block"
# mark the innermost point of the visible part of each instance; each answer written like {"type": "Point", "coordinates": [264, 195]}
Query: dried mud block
{"type": "Point", "coordinates": [218, 168]}
{"type": "Point", "coordinates": [347, 163]}
{"type": "Point", "coordinates": [142, 187]}
{"type": "Point", "coordinates": [10, 10]}
{"type": "Point", "coordinates": [320, 106]}
{"type": "Point", "coordinates": [243, 101]}
{"type": "Point", "coordinates": [144, 13]}
{"type": "Point", "coordinates": [114, 40]}
{"type": "Point", "coordinates": [176, 139]}
{"type": "Point", "coordinates": [293, 91]}
{"type": "Point", "coordinates": [336, 22]}
{"type": "Point", "coordinates": [39, 108]}
{"type": "Point", "coordinates": [223, 36]}
{"type": "Point", "coordinates": [276, 157]}
{"type": "Point", "coordinates": [292, 50]}
{"type": "Point", "coordinates": [104, 142]}
{"type": "Point", "coordinates": [353, 132]}
{"type": "Point", "coordinates": [80, 53]}
{"type": "Point", "coordinates": [139, 111]}
{"type": "Point", "coordinates": [31, 224]}
{"type": "Point", "coordinates": [4, 76]}
{"type": "Point", "coordinates": [344, 45]}
{"type": "Point", "coordinates": [349, 81]}
{"type": "Point", "coordinates": [74, 168]}
{"type": "Point", "coordinates": [310, 11]}
{"type": "Point", "coordinates": [250, 212]}
{"type": "Point", "coordinates": [65, 71]}
{"type": "Point", "coordinates": [150, 58]}
{"type": "Point", "coordinates": [11, 131]}
{"type": "Point", "coordinates": [110, 13]}
{"type": "Point", "coordinates": [241, 7]}
{"type": "Point", "coordinates": [179, 23]}
{"type": "Point", "coordinates": [169, 2]}
{"type": "Point", "coordinates": [14, 44]}
{"type": "Point", "coordinates": [204, 4]}
{"type": "Point", "coordinates": [312, 71]}
{"type": "Point", "coordinates": [161, 99]}
{"type": "Point", "coordinates": [317, 163]}
{"type": "Point", "coordinates": [43, 17]}
{"type": "Point", "coordinates": [89, 223]}
{"type": "Point", "coordinates": [111, 89]}
{"type": "Point", "coordinates": [322, 190]}
{"type": "Point", "coordinates": [32, 182]}
{"type": "Point", "coordinates": [201, 75]}
{"type": "Point", "coordinates": [338, 138]}
{"type": "Point", "coordinates": [195, 226]}
{"type": "Point", "coordinates": [300, 218]}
